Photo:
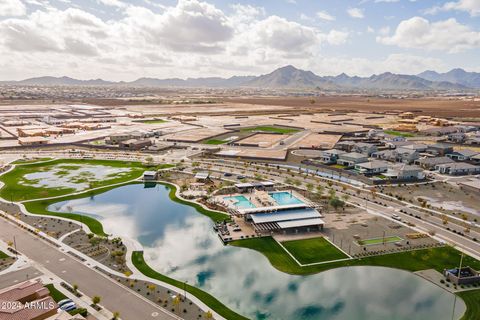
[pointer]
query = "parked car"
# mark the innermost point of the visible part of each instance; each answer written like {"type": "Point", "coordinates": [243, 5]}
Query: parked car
{"type": "Point", "coordinates": [69, 306]}
{"type": "Point", "coordinates": [227, 174]}
{"type": "Point", "coordinates": [240, 177]}
{"type": "Point", "coordinates": [64, 301]}
{"type": "Point", "coordinates": [396, 217]}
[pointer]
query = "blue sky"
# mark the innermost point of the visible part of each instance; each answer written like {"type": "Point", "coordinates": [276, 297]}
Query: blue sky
{"type": "Point", "coordinates": [127, 39]}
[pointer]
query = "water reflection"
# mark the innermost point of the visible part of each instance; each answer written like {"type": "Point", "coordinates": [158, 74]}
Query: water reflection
{"type": "Point", "coordinates": [180, 242]}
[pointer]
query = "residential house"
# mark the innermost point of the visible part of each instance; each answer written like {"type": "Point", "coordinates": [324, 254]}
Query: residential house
{"type": "Point", "coordinates": [462, 155]}
{"type": "Point", "coordinates": [458, 137]}
{"type": "Point", "coordinates": [365, 148]}
{"type": "Point", "coordinates": [330, 156]}
{"type": "Point", "coordinates": [24, 294]}
{"type": "Point", "coordinates": [439, 149]}
{"type": "Point", "coordinates": [397, 155]}
{"type": "Point", "coordinates": [429, 163]}
{"type": "Point", "coordinates": [405, 172]}
{"type": "Point", "coordinates": [458, 168]}
{"type": "Point", "coordinates": [371, 167]}
{"type": "Point", "coordinates": [351, 159]}
{"type": "Point", "coordinates": [345, 145]}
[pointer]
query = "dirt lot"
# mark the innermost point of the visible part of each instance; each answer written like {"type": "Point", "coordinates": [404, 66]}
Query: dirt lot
{"type": "Point", "coordinates": [425, 106]}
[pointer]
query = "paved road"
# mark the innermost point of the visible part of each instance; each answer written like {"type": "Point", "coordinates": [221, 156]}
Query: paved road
{"type": "Point", "coordinates": [14, 277]}
{"type": "Point", "coordinates": [114, 296]}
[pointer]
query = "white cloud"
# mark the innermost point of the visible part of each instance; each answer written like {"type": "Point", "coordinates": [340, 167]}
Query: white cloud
{"type": "Point", "coordinates": [470, 6]}
{"type": "Point", "coordinates": [12, 8]}
{"type": "Point", "coordinates": [284, 35]}
{"type": "Point", "coordinates": [325, 16]}
{"type": "Point", "coordinates": [113, 3]}
{"type": "Point", "coordinates": [336, 37]}
{"type": "Point", "coordinates": [447, 35]}
{"type": "Point", "coordinates": [356, 13]}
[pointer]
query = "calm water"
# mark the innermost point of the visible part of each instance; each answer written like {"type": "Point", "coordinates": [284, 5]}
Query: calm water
{"type": "Point", "coordinates": [180, 242]}
{"type": "Point", "coordinates": [285, 198]}
{"type": "Point", "coordinates": [240, 202]}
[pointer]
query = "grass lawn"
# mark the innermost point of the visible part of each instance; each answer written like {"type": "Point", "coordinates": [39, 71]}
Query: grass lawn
{"type": "Point", "coordinates": [374, 241]}
{"type": "Point", "coordinates": [15, 191]}
{"type": "Point", "coordinates": [472, 300]}
{"type": "Point", "coordinates": [433, 258]}
{"type": "Point", "coordinates": [211, 301]}
{"type": "Point", "coordinates": [339, 166]}
{"type": "Point", "coordinates": [54, 293]}
{"type": "Point", "coordinates": [270, 129]}
{"type": "Point", "coordinates": [215, 141]}
{"type": "Point", "coordinates": [313, 250]}
{"type": "Point", "coordinates": [154, 121]}
{"type": "Point", "coordinates": [3, 255]}
{"type": "Point", "coordinates": [399, 134]}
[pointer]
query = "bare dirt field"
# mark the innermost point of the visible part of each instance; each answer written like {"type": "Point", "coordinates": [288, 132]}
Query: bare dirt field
{"type": "Point", "coordinates": [425, 106]}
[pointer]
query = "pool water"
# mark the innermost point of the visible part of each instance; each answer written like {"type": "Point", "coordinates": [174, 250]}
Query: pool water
{"type": "Point", "coordinates": [180, 243]}
{"type": "Point", "coordinates": [285, 198]}
{"type": "Point", "coordinates": [241, 202]}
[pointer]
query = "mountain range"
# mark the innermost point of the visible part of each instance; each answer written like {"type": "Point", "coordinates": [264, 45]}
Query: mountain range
{"type": "Point", "coordinates": [291, 77]}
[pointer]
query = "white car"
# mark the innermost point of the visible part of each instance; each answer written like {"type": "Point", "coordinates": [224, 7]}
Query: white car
{"type": "Point", "coordinates": [396, 217]}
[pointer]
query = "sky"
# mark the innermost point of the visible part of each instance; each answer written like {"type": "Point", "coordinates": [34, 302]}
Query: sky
{"type": "Point", "coordinates": [129, 39]}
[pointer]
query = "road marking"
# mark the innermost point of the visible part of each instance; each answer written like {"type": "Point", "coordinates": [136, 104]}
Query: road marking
{"type": "Point", "coordinates": [61, 259]}
{"type": "Point", "coordinates": [154, 314]}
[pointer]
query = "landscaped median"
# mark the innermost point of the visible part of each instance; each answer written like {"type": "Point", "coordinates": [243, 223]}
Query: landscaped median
{"type": "Point", "coordinates": [139, 262]}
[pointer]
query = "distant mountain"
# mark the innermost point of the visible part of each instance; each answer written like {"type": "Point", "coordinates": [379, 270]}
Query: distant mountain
{"type": "Point", "coordinates": [458, 76]}
{"type": "Point", "coordinates": [54, 81]}
{"type": "Point", "coordinates": [291, 77]}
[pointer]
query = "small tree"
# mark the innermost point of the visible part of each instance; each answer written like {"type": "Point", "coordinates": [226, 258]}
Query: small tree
{"type": "Point", "coordinates": [116, 315]}
{"type": "Point", "coordinates": [96, 300]}
{"type": "Point", "coordinates": [75, 288]}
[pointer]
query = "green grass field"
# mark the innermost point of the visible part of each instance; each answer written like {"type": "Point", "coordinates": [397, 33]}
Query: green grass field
{"type": "Point", "coordinates": [153, 121]}
{"type": "Point", "coordinates": [433, 258]}
{"type": "Point", "coordinates": [15, 191]}
{"type": "Point", "coordinates": [3, 255]}
{"type": "Point", "coordinates": [375, 241]}
{"type": "Point", "coordinates": [55, 293]}
{"type": "Point", "coordinates": [215, 141]}
{"type": "Point", "coordinates": [313, 250]}
{"type": "Point", "coordinates": [211, 301]}
{"type": "Point", "coordinates": [399, 134]}
{"type": "Point", "coordinates": [472, 300]}
{"type": "Point", "coordinates": [270, 129]}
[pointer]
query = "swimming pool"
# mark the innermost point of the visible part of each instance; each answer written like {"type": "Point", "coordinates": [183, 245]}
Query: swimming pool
{"type": "Point", "coordinates": [240, 202]}
{"type": "Point", "coordinates": [285, 198]}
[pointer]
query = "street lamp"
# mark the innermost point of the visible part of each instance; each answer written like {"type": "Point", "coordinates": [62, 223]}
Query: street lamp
{"type": "Point", "coordinates": [185, 290]}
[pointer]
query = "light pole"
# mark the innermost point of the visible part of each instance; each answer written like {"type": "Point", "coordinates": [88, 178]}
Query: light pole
{"type": "Point", "coordinates": [185, 290]}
